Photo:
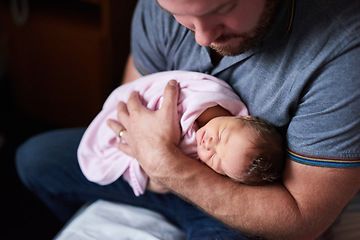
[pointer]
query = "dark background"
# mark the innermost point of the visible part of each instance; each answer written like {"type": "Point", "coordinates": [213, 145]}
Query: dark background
{"type": "Point", "coordinates": [58, 62]}
{"type": "Point", "coordinates": [23, 215]}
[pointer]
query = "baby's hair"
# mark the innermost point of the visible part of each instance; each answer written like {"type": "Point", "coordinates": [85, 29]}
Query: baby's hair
{"type": "Point", "coordinates": [268, 163]}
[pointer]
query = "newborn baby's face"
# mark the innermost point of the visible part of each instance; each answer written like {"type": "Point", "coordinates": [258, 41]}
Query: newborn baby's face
{"type": "Point", "coordinates": [225, 145]}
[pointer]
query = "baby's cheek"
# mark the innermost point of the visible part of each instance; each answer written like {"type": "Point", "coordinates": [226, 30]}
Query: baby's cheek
{"type": "Point", "coordinates": [203, 155]}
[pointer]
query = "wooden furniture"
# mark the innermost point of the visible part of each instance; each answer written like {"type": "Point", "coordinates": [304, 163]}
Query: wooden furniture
{"type": "Point", "coordinates": [66, 56]}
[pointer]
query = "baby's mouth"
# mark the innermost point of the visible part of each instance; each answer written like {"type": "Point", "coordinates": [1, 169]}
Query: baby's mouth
{"type": "Point", "coordinates": [202, 138]}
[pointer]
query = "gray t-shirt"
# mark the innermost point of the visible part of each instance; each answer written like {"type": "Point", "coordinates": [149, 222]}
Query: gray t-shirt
{"type": "Point", "coordinates": [305, 81]}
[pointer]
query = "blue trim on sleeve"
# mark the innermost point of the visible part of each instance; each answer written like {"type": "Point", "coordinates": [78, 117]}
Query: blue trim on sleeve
{"type": "Point", "coordinates": [324, 162]}
{"type": "Point", "coordinates": [139, 68]}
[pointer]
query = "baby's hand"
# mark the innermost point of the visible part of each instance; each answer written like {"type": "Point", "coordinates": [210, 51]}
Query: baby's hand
{"type": "Point", "coordinates": [155, 187]}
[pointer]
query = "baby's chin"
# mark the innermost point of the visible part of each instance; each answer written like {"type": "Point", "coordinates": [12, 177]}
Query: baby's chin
{"type": "Point", "coordinates": [199, 156]}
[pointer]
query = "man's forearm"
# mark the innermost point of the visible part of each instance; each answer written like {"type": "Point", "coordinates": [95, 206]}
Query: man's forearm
{"type": "Point", "coordinates": [268, 211]}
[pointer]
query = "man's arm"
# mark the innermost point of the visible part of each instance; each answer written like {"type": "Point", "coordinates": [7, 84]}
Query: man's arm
{"type": "Point", "coordinates": [303, 207]}
{"type": "Point", "coordinates": [130, 72]}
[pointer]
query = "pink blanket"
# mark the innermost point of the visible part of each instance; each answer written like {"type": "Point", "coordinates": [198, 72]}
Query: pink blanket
{"type": "Point", "coordinates": [103, 163]}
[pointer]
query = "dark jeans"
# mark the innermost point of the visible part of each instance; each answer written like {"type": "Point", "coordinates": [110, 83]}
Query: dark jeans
{"type": "Point", "coordinates": [48, 166]}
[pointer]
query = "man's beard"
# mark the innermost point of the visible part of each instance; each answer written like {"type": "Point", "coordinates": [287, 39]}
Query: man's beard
{"type": "Point", "coordinates": [248, 40]}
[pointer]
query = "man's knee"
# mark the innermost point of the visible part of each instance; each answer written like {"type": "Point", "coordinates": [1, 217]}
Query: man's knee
{"type": "Point", "coordinates": [30, 158]}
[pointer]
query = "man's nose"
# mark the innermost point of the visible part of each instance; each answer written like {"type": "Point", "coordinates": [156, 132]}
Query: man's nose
{"type": "Point", "coordinates": [206, 31]}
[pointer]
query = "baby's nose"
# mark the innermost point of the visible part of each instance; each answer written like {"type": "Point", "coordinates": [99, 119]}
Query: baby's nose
{"type": "Point", "coordinates": [209, 144]}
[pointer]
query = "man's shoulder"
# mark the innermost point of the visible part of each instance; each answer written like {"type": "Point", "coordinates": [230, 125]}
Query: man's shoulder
{"type": "Point", "coordinates": [330, 16]}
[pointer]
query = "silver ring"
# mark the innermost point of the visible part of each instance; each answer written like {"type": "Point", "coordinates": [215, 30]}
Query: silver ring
{"type": "Point", "coordinates": [121, 133]}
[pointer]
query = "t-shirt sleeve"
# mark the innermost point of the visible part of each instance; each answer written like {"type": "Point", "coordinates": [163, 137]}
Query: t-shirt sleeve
{"type": "Point", "coordinates": [325, 130]}
{"type": "Point", "coordinates": [155, 35]}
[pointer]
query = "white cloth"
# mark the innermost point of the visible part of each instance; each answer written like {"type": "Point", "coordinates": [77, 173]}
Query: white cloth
{"type": "Point", "coordinates": [105, 220]}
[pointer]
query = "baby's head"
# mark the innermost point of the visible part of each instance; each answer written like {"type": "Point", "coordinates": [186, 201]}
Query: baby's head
{"type": "Point", "coordinates": [247, 149]}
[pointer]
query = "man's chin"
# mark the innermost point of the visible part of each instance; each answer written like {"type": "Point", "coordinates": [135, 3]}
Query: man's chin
{"type": "Point", "coordinates": [233, 49]}
{"type": "Point", "coordinates": [226, 50]}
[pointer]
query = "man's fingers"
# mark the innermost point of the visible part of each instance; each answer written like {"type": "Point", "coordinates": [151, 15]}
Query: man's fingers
{"type": "Point", "coordinates": [124, 148]}
{"type": "Point", "coordinates": [133, 103]}
{"type": "Point", "coordinates": [122, 112]}
{"type": "Point", "coordinates": [120, 132]}
{"type": "Point", "coordinates": [117, 128]}
{"type": "Point", "coordinates": [171, 95]}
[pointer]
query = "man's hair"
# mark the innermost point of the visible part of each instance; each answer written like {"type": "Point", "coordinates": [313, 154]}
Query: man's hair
{"type": "Point", "coordinates": [268, 162]}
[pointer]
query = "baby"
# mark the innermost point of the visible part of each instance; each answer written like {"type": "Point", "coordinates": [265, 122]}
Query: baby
{"type": "Point", "coordinates": [244, 148]}
{"type": "Point", "coordinates": [247, 149]}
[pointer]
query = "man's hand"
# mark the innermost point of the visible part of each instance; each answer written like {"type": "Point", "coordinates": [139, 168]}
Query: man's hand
{"type": "Point", "coordinates": [148, 132]}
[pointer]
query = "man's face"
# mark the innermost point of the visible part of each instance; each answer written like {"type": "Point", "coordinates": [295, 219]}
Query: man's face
{"type": "Point", "coordinates": [230, 27]}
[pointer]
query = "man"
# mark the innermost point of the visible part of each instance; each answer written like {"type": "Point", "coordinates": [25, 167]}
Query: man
{"type": "Point", "coordinates": [292, 63]}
